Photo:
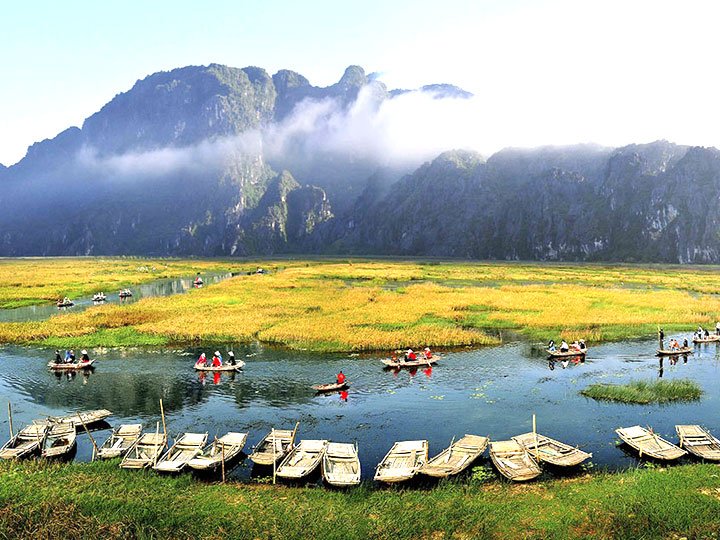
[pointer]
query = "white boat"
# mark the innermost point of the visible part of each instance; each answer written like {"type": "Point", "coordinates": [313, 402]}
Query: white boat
{"type": "Point", "coordinates": [25, 442]}
{"type": "Point", "coordinates": [185, 448]}
{"type": "Point", "coordinates": [225, 448]}
{"type": "Point", "coordinates": [120, 441]}
{"type": "Point", "coordinates": [402, 462]}
{"type": "Point", "coordinates": [302, 460]}
{"type": "Point", "coordinates": [340, 465]}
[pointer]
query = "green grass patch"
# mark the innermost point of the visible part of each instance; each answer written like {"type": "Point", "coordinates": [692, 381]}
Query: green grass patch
{"type": "Point", "coordinates": [125, 336]}
{"type": "Point", "coordinates": [644, 392]}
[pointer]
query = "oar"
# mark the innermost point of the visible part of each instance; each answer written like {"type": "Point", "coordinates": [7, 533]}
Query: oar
{"type": "Point", "coordinates": [10, 419]}
{"type": "Point", "coordinates": [95, 448]}
{"type": "Point", "coordinates": [447, 459]}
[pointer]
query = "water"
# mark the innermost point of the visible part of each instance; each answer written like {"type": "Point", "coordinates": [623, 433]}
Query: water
{"type": "Point", "coordinates": [160, 287]}
{"type": "Point", "coordinates": [491, 391]}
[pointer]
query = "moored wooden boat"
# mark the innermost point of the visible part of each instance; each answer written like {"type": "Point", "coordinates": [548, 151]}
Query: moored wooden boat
{"type": "Point", "coordinates": [649, 444]}
{"type": "Point", "coordinates": [402, 462]}
{"type": "Point", "coordinates": [145, 452]}
{"type": "Point", "coordinates": [88, 418]}
{"type": "Point", "coordinates": [274, 446]}
{"type": "Point", "coordinates": [674, 352]}
{"type": "Point", "coordinates": [340, 465]}
{"type": "Point", "coordinates": [66, 303]}
{"type": "Point", "coordinates": [699, 441]}
{"type": "Point", "coordinates": [25, 442]}
{"type": "Point", "coordinates": [225, 448]}
{"type": "Point", "coordinates": [564, 354]}
{"type": "Point", "coordinates": [397, 364]}
{"type": "Point", "coordinates": [557, 453]}
{"type": "Point", "coordinates": [513, 461]}
{"type": "Point", "coordinates": [60, 440]}
{"type": "Point", "coordinates": [71, 367]}
{"type": "Point", "coordinates": [119, 441]}
{"type": "Point", "coordinates": [457, 457]}
{"type": "Point", "coordinates": [225, 367]}
{"type": "Point", "coordinates": [712, 338]}
{"type": "Point", "coordinates": [331, 387]}
{"type": "Point", "coordinates": [183, 450]}
{"type": "Point", "coordinates": [302, 460]}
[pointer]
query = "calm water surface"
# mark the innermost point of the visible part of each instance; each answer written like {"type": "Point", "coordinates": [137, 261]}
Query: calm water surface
{"type": "Point", "coordinates": [492, 391]}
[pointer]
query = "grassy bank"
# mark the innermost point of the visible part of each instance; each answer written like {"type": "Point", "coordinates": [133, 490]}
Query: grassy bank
{"type": "Point", "coordinates": [373, 305]}
{"type": "Point", "coordinates": [99, 500]}
{"type": "Point", "coordinates": [27, 282]}
{"type": "Point", "coordinates": [645, 391]}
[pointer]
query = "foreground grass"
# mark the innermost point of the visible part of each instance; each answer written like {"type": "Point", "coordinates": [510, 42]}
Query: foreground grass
{"type": "Point", "coordinates": [98, 500]}
{"type": "Point", "coordinates": [331, 305]}
{"type": "Point", "coordinates": [25, 282]}
{"type": "Point", "coordinates": [645, 391]}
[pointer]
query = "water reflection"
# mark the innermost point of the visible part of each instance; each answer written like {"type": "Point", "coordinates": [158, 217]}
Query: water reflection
{"type": "Point", "coordinates": [492, 391]}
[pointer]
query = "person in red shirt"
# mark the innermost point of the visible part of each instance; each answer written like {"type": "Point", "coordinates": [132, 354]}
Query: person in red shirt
{"type": "Point", "coordinates": [341, 378]}
{"type": "Point", "coordinates": [410, 355]}
{"type": "Point", "coordinates": [217, 360]}
{"type": "Point", "coordinates": [427, 353]}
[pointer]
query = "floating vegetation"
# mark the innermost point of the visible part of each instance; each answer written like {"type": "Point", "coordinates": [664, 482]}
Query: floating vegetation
{"type": "Point", "coordinates": [644, 392]}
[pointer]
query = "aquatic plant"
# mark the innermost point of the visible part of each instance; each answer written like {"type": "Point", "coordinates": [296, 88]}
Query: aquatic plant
{"type": "Point", "coordinates": [645, 391]}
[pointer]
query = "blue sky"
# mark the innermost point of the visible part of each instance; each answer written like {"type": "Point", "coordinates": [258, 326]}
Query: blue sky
{"type": "Point", "coordinates": [559, 71]}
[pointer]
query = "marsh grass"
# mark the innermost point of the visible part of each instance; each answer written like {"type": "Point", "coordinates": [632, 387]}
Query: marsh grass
{"type": "Point", "coordinates": [358, 305]}
{"type": "Point", "coordinates": [644, 392]}
{"type": "Point", "coordinates": [99, 500]}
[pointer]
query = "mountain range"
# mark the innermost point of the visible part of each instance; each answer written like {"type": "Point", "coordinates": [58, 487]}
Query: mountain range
{"type": "Point", "coordinates": [215, 161]}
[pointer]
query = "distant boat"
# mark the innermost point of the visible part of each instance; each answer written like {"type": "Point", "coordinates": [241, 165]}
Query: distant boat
{"type": "Point", "coordinates": [397, 364]}
{"type": "Point", "coordinates": [674, 352]}
{"type": "Point", "coordinates": [225, 367]}
{"type": "Point", "coordinates": [99, 297]}
{"type": "Point", "coordinates": [198, 281]}
{"type": "Point", "coordinates": [125, 293]}
{"type": "Point", "coordinates": [74, 366]}
{"type": "Point", "coordinates": [65, 303]}
{"type": "Point", "coordinates": [709, 339]}
{"type": "Point", "coordinates": [331, 387]}
{"type": "Point", "coordinates": [564, 354]}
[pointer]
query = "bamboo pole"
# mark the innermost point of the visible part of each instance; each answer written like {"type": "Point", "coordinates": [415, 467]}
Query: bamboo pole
{"type": "Point", "coordinates": [452, 441]}
{"type": "Point", "coordinates": [292, 440]}
{"type": "Point", "coordinates": [95, 448]}
{"type": "Point", "coordinates": [537, 450]}
{"type": "Point", "coordinates": [157, 433]}
{"type": "Point", "coordinates": [10, 419]}
{"type": "Point", "coordinates": [162, 414]}
{"type": "Point", "coordinates": [274, 454]}
{"type": "Point", "coordinates": [222, 463]}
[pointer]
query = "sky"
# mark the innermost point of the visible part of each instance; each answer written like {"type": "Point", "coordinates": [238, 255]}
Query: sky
{"type": "Point", "coordinates": [543, 72]}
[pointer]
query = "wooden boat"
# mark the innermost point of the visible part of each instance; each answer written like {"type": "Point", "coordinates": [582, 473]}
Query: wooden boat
{"type": "Point", "coordinates": [457, 457]}
{"type": "Point", "coordinates": [649, 444]}
{"type": "Point", "coordinates": [60, 440]}
{"type": "Point", "coordinates": [239, 364]}
{"type": "Point", "coordinates": [25, 442]}
{"type": "Point", "coordinates": [71, 367]}
{"type": "Point", "coordinates": [145, 452]}
{"type": "Point", "coordinates": [302, 460]}
{"type": "Point", "coordinates": [88, 418]}
{"type": "Point", "coordinates": [397, 364]}
{"type": "Point", "coordinates": [712, 338]}
{"type": "Point", "coordinates": [127, 293]}
{"type": "Point", "coordinates": [99, 297]}
{"type": "Point", "coordinates": [67, 303]}
{"type": "Point", "coordinates": [566, 354]}
{"type": "Point", "coordinates": [674, 352]}
{"type": "Point", "coordinates": [120, 441]}
{"type": "Point", "coordinates": [513, 461]}
{"type": "Point", "coordinates": [340, 465]}
{"type": "Point", "coordinates": [225, 448]}
{"type": "Point", "coordinates": [699, 441]}
{"type": "Point", "coordinates": [402, 462]}
{"type": "Point", "coordinates": [274, 446]}
{"type": "Point", "coordinates": [332, 387]}
{"type": "Point", "coordinates": [185, 448]}
{"type": "Point", "coordinates": [198, 281]}
{"type": "Point", "coordinates": [557, 453]}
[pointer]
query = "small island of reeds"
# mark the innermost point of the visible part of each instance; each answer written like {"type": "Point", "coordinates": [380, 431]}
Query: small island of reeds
{"type": "Point", "coordinates": [645, 392]}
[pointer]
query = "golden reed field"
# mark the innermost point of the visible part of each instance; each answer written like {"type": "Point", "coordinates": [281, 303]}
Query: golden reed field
{"type": "Point", "coordinates": [363, 305]}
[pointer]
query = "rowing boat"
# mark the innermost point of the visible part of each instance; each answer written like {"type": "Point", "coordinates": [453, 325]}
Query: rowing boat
{"type": "Point", "coordinates": [674, 352]}
{"type": "Point", "coordinates": [513, 461]}
{"type": "Point", "coordinates": [25, 442]}
{"type": "Point", "coordinates": [88, 418]}
{"type": "Point", "coordinates": [302, 460]}
{"type": "Point", "coordinates": [332, 387]}
{"type": "Point", "coordinates": [99, 297]}
{"type": "Point", "coordinates": [71, 367]}
{"type": "Point", "coordinates": [397, 364]}
{"type": "Point", "coordinates": [60, 441]}
{"type": "Point", "coordinates": [225, 367]}
{"type": "Point", "coordinates": [225, 448]}
{"type": "Point", "coordinates": [183, 450]}
{"type": "Point", "coordinates": [710, 339]}
{"type": "Point", "coordinates": [274, 446]}
{"type": "Point", "coordinates": [549, 450]}
{"type": "Point", "coordinates": [340, 465]}
{"type": "Point", "coordinates": [145, 452]}
{"type": "Point", "coordinates": [648, 443]}
{"type": "Point", "coordinates": [69, 303]}
{"type": "Point", "coordinates": [402, 462]}
{"type": "Point", "coordinates": [699, 441]}
{"type": "Point", "coordinates": [564, 354]}
{"type": "Point", "coordinates": [457, 457]}
{"type": "Point", "coordinates": [120, 441]}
